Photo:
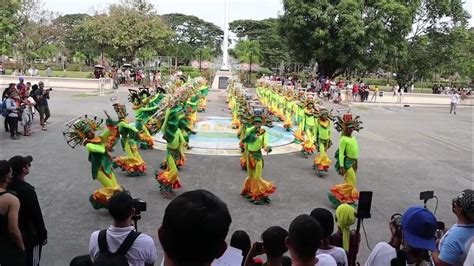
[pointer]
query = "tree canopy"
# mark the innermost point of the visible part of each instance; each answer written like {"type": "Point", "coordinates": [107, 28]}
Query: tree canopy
{"type": "Point", "coordinates": [248, 51]}
{"type": "Point", "coordinates": [125, 30]}
{"type": "Point", "coordinates": [346, 36]}
{"type": "Point", "coordinates": [192, 33]}
{"type": "Point", "coordinates": [265, 33]}
{"type": "Point", "coordinates": [343, 35]}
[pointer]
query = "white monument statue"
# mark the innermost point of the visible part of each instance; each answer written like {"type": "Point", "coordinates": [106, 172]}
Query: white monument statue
{"type": "Point", "coordinates": [224, 74]}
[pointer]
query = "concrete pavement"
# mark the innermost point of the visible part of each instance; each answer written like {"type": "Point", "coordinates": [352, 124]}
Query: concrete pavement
{"type": "Point", "coordinates": [402, 152]}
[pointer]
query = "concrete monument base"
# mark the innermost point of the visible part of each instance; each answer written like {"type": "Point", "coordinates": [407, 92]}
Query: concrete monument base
{"type": "Point", "coordinates": [221, 79]}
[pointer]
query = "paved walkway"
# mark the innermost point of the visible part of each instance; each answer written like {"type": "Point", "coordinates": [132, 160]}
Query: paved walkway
{"type": "Point", "coordinates": [402, 152]}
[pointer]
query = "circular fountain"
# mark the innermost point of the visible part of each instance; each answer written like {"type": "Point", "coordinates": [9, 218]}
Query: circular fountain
{"type": "Point", "coordinates": [215, 136]}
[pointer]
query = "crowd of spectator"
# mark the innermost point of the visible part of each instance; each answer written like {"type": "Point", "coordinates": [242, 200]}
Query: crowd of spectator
{"type": "Point", "coordinates": [441, 89]}
{"type": "Point", "coordinates": [196, 224]}
{"type": "Point", "coordinates": [20, 102]}
{"type": "Point", "coordinates": [129, 76]}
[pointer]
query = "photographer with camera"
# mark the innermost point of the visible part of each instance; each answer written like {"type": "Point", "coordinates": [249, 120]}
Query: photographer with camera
{"type": "Point", "coordinates": [120, 244]}
{"type": "Point", "coordinates": [413, 235]}
{"type": "Point", "coordinates": [41, 97]}
{"type": "Point", "coordinates": [455, 244]}
{"type": "Point", "coordinates": [273, 246]}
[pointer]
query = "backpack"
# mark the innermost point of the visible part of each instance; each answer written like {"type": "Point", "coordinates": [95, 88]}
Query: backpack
{"type": "Point", "coordinates": [106, 258]}
{"type": "Point", "coordinates": [3, 108]}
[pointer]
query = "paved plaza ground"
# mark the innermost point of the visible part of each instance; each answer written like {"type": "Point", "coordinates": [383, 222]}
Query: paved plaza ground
{"type": "Point", "coordinates": [402, 152]}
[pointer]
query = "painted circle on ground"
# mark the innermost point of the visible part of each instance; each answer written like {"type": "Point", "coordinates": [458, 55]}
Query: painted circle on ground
{"type": "Point", "coordinates": [215, 136]}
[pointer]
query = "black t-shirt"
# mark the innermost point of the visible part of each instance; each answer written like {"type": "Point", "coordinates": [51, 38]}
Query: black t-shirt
{"type": "Point", "coordinates": [30, 218]}
{"type": "Point", "coordinates": [39, 93]}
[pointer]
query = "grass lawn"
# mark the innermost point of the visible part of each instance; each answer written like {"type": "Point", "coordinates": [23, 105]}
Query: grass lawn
{"type": "Point", "coordinates": [67, 74]}
{"type": "Point", "coordinates": [62, 74]}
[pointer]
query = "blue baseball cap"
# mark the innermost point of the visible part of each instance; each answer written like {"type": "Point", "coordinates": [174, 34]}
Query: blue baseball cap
{"type": "Point", "coordinates": [419, 227]}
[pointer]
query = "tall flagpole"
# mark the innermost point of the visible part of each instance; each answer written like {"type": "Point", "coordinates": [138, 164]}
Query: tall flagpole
{"type": "Point", "coordinates": [225, 57]}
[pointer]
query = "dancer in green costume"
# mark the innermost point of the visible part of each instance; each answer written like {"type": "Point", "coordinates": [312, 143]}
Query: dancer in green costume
{"type": "Point", "coordinates": [347, 161]}
{"type": "Point", "coordinates": [81, 131]}
{"type": "Point", "coordinates": [144, 108]}
{"type": "Point", "coordinates": [323, 133]}
{"type": "Point", "coordinates": [256, 189]}
{"type": "Point", "coordinates": [132, 163]}
{"type": "Point", "coordinates": [168, 178]}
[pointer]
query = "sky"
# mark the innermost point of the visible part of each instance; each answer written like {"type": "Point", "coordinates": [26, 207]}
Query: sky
{"type": "Point", "coordinates": [209, 10]}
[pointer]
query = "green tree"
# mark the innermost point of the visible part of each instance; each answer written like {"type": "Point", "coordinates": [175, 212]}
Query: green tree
{"type": "Point", "coordinates": [126, 30]}
{"type": "Point", "coordinates": [204, 53]}
{"type": "Point", "coordinates": [348, 34]}
{"type": "Point", "coordinates": [8, 27]}
{"type": "Point", "coordinates": [248, 51]}
{"type": "Point", "coordinates": [440, 44]}
{"type": "Point", "coordinates": [72, 38]}
{"type": "Point", "coordinates": [265, 32]}
{"type": "Point", "coordinates": [192, 33]}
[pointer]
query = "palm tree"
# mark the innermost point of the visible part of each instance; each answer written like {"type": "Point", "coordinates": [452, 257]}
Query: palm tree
{"type": "Point", "coordinates": [248, 51]}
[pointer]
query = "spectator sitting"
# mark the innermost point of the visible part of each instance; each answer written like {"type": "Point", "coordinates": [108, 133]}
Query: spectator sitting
{"type": "Point", "coordinates": [454, 246]}
{"type": "Point", "coordinates": [194, 228]}
{"type": "Point", "coordinates": [345, 237]}
{"type": "Point", "coordinates": [304, 238]}
{"type": "Point", "coordinates": [142, 251]}
{"type": "Point", "coordinates": [273, 247]}
{"type": "Point", "coordinates": [30, 217]}
{"type": "Point", "coordinates": [326, 220]}
{"type": "Point", "coordinates": [11, 244]}
{"type": "Point", "coordinates": [241, 240]}
{"type": "Point", "coordinates": [417, 233]}
{"type": "Point", "coordinates": [338, 98]}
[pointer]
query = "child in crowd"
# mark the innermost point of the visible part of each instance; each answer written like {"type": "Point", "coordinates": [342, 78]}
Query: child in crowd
{"type": "Point", "coordinates": [27, 103]}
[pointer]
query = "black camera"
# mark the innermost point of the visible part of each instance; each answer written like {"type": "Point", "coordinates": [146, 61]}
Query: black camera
{"type": "Point", "coordinates": [426, 195]}
{"type": "Point", "coordinates": [258, 111]}
{"type": "Point", "coordinates": [139, 205]}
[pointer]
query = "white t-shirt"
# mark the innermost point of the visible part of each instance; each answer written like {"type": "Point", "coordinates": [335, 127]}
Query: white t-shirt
{"type": "Point", "coordinates": [232, 256]}
{"type": "Point", "coordinates": [142, 251]}
{"type": "Point", "coordinates": [325, 260]}
{"type": "Point", "coordinates": [470, 257]}
{"type": "Point", "coordinates": [339, 255]}
{"type": "Point", "coordinates": [455, 98]}
{"type": "Point", "coordinates": [382, 255]}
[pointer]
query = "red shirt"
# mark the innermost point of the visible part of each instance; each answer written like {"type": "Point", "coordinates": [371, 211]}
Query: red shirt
{"type": "Point", "coordinates": [355, 89]}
